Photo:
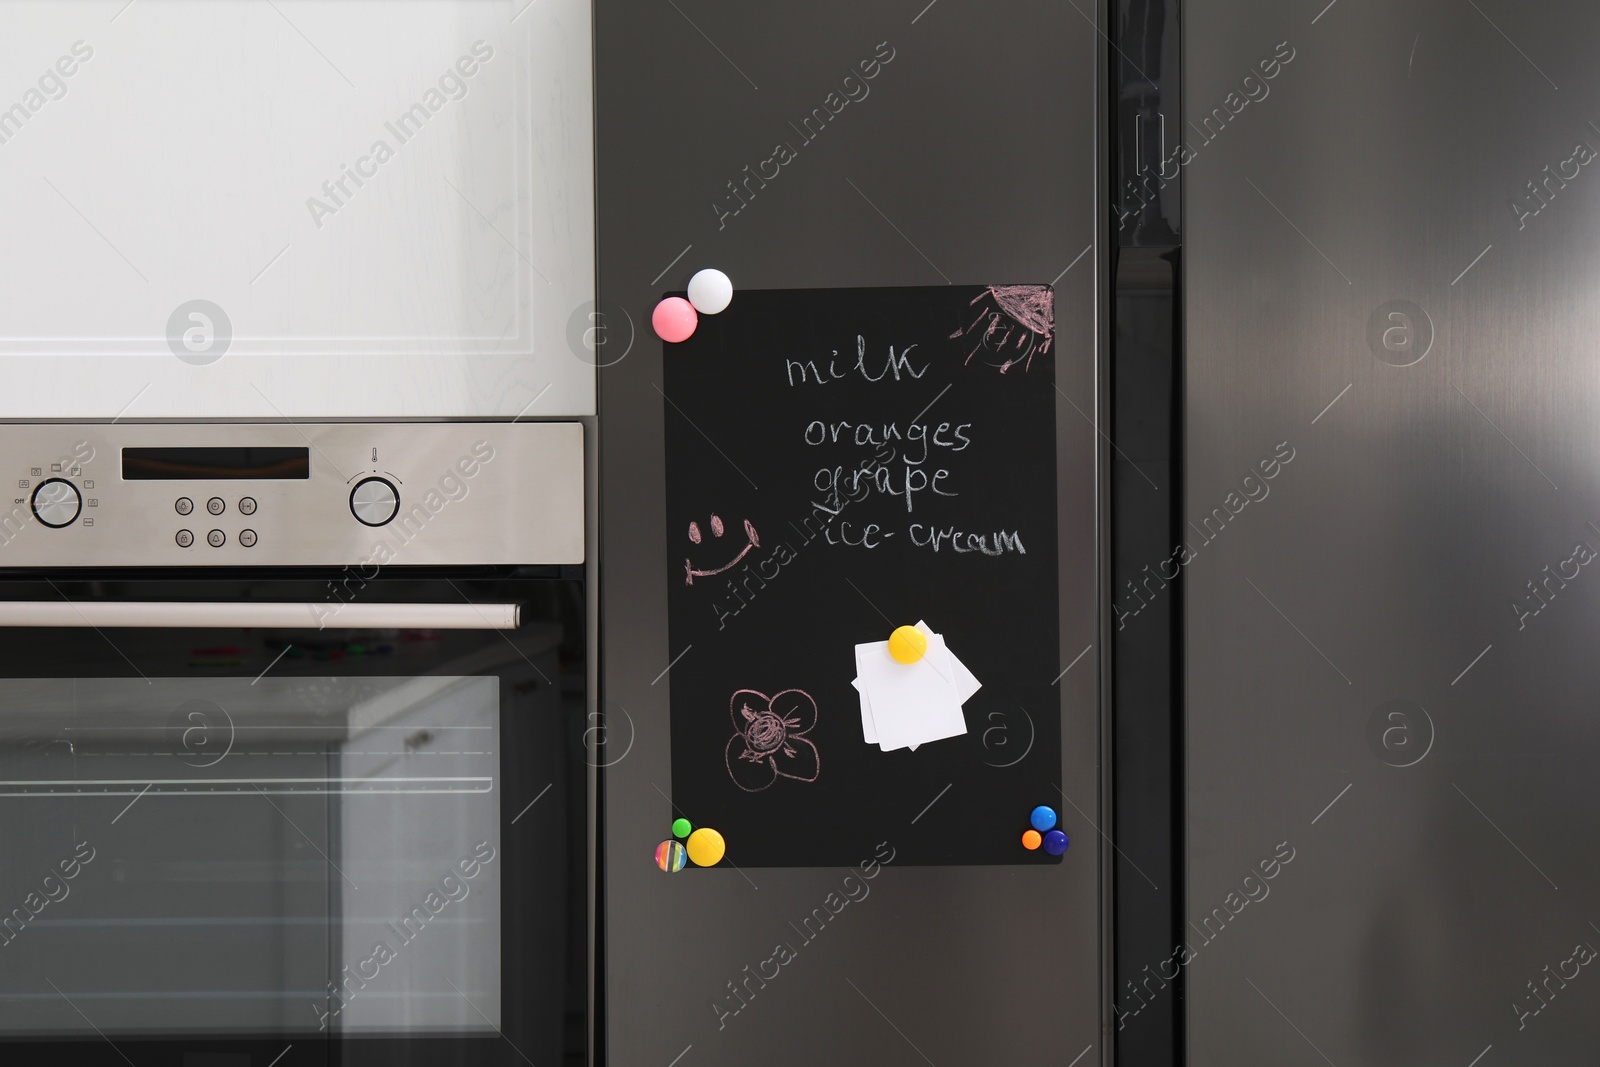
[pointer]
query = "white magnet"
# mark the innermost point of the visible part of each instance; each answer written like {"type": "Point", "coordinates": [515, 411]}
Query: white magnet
{"type": "Point", "coordinates": [710, 291]}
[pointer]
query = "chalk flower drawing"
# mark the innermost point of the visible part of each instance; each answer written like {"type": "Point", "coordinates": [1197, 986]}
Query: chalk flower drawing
{"type": "Point", "coordinates": [717, 530]}
{"type": "Point", "coordinates": [1024, 312]}
{"type": "Point", "coordinates": [769, 742]}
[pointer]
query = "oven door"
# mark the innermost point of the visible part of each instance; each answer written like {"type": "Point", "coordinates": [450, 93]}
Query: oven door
{"type": "Point", "coordinates": [261, 842]}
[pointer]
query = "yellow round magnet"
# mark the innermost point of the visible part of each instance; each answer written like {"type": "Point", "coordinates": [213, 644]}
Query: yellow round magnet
{"type": "Point", "coordinates": [908, 644]}
{"type": "Point", "coordinates": [706, 847]}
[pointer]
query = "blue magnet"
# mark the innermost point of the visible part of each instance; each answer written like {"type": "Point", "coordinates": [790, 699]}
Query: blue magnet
{"type": "Point", "coordinates": [1055, 842]}
{"type": "Point", "coordinates": [1043, 818]}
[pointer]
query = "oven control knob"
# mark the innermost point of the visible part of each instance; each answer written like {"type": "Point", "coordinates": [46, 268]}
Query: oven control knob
{"type": "Point", "coordinates": [56, 503]}
{"type": "Point", "coordinates": [374, 501]}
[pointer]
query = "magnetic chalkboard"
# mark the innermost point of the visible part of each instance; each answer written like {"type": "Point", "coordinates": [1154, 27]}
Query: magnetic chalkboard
{"type": "Point", "coordinates": [840, 462]}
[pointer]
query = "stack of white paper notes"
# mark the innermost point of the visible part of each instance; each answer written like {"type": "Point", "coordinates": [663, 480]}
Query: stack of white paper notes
{"type": "Point", "coordinates": [906, 704]}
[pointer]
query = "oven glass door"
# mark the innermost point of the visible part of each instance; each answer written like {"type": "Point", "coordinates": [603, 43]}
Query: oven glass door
{"type": "Point", "coordinates": [358, 845]}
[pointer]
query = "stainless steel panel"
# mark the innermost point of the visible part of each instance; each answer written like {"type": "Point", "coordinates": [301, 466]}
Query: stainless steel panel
{"type": "Point", "coordinates": [1373, 683]}
{"type": "Point", "coordinates": [469, 493]}
{"type": "Point", "coordinates": [972, 157]}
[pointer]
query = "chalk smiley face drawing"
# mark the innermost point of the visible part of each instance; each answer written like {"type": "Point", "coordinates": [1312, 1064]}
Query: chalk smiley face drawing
{"type": "Point", "coordinates": [752, 542]}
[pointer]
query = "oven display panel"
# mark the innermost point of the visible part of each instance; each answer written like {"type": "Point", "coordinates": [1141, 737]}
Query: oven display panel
{"type": "Point", "coordinates": [179, 464]}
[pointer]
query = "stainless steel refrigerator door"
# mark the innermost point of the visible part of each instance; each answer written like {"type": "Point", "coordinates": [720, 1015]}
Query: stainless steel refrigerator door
{"type": "Point", "coordinates": [974, 157]}
{"type": "Point", "coordinates": [1393, 248]}
{"type": "Point", "coordinates": [297, 208]}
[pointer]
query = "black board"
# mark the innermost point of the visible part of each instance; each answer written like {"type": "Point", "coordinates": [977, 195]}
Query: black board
{"type": "Point", "coordinates": [747, 398]}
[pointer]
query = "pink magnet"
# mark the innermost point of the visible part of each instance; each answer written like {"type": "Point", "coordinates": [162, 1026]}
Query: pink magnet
{"type": "Point", "coordinates": [674, 319]}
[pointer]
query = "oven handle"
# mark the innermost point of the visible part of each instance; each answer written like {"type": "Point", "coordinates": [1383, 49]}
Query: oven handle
{"type": "Point", "coordinates": [259, 614]}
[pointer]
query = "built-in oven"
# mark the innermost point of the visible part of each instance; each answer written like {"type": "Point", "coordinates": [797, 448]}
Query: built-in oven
{"type": "Point", "coordinates": [294, 766]}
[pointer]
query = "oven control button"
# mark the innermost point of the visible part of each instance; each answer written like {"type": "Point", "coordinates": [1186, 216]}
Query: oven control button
{"type": "Point", "coordinates": [56, 503]}
{"type": "Point", "coordinates": [184, 505]}
{"type": "Point", "coordinates": [216, 538]}
{"type": "Point", "coordinates": [247, 506]}
{"type": "Point", "coordinates": [216, 505]}
{"type": "Point", "coordinates": [185, 538]}
{"type": "Point", "coordinates": [374, 501]}
{"type": "Point", "coordinates": [247, 538]}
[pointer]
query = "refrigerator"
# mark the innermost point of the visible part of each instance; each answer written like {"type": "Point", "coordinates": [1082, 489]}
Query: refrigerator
{"type": "Point", "coordinates": [1389, 261]}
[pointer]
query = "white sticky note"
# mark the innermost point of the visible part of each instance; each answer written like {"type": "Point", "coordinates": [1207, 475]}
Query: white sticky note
{"type": "Point", "coordinates": [904, 705]}
{"type": "Point", "coordinates": [869, 732]}
{"type": "Point", "coordinates": [867, 727]}
{"type": "Point", "coordinates": [910, 703]}
{"type": "Point", "coordinates": [966, 683]}
{"type": "Point", "coordinates": [937, 656]}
